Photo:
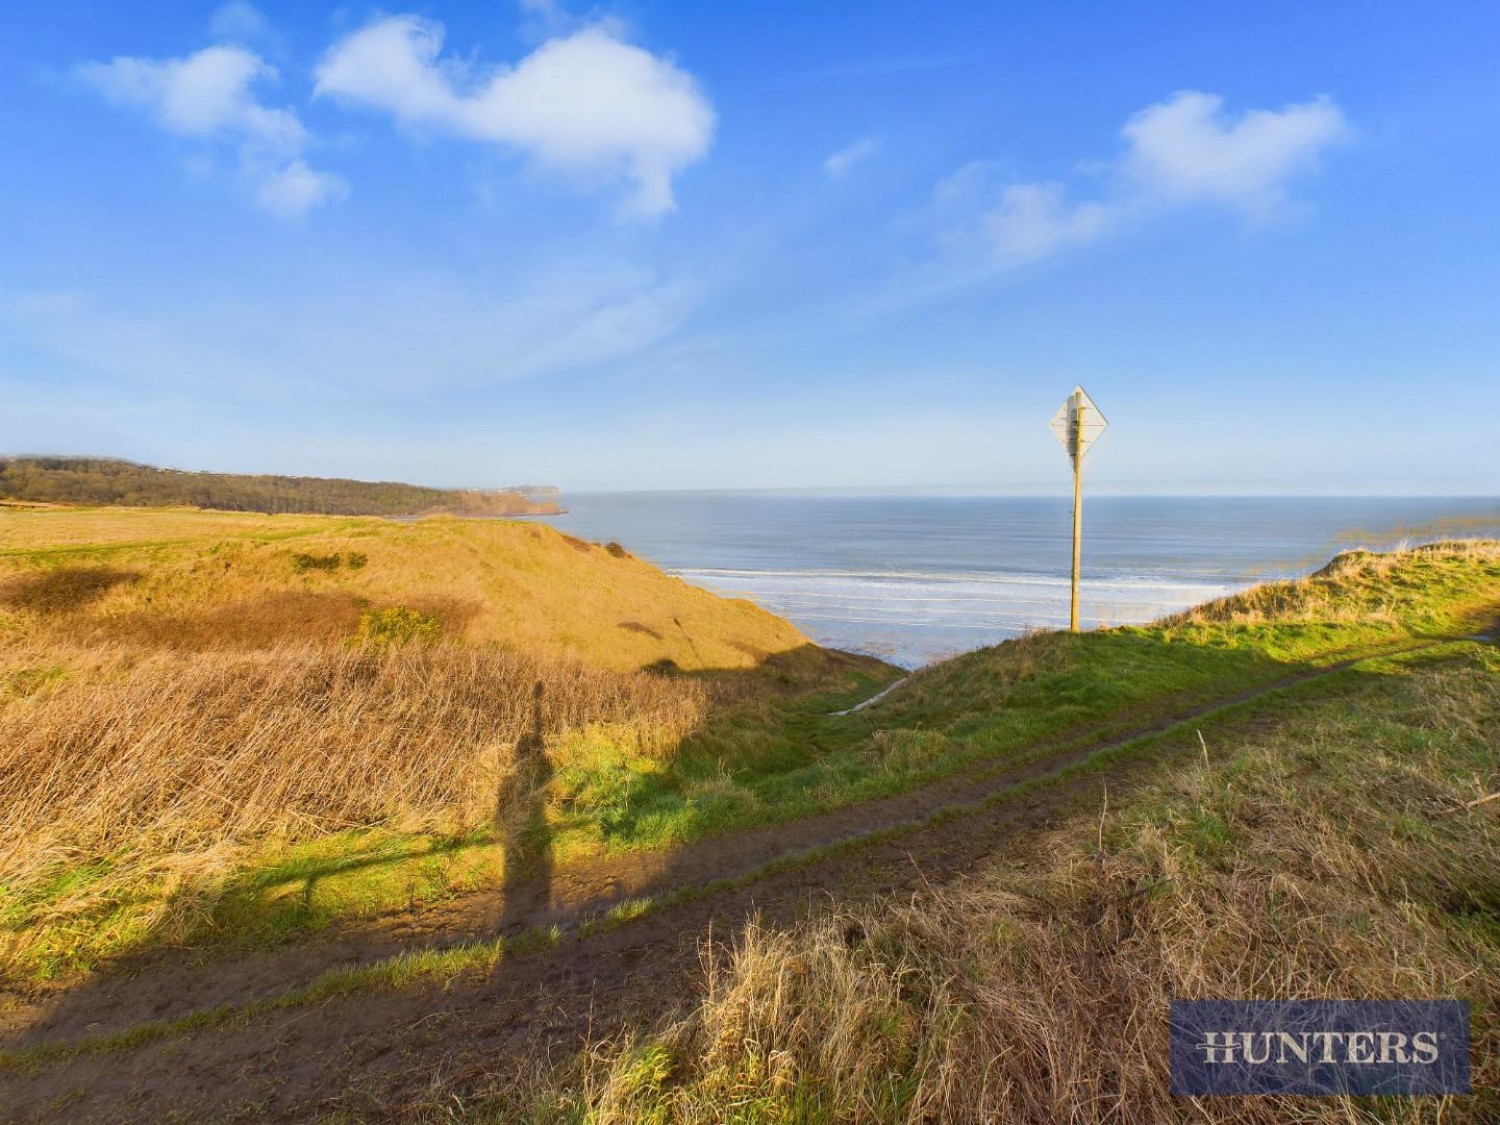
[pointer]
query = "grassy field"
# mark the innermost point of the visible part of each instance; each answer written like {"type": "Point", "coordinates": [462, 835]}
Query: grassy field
{"type": "Point", "coordinates": [219, 732]}
{"type": "Point", "coordinates": [1342, 850]}
{"type": "Point", "coordinates": [197, 707]}
{"type": "Point", "coordinates": [1027, 697]}
{"type": "Point", "coordinates": [277, 724]}
{"type": "Point", "coordinates": [216, 581]}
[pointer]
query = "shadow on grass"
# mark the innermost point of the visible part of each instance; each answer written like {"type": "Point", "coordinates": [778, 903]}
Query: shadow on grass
{"type": "Point", "coordinates": [63, 589]}
{"type": "Point", "coordinates": [521, 823]}
{"type": "Point", "coordinates": [1055, 700]}
{"type": "Point", "coordinates": [124, 994]}
{"type": "Point", "coordinates": [267, 905]}
{"type": "Point", "coordinates": [355, 885]}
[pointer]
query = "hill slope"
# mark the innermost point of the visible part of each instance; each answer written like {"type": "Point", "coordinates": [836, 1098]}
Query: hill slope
{"type": "Point", "coordinates": [190, 691]}
{"type": "Point", "coordinates": [93, 480]}
{"type": "Point", "coordinates": [1343, 844]}
{"type": "Point", "coordinates": [202, 580]}
{"type": "Point", "coordinates": [1300, 800]}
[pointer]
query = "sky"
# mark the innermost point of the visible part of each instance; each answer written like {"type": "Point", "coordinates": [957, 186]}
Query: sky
{"type": "Point", "coordinates": [757, 245]}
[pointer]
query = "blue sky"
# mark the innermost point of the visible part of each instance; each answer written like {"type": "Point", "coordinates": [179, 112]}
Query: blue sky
{"type": "Point", "coordinates": [757, 244]}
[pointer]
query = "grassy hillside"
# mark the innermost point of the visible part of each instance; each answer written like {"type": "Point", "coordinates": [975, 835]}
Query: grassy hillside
{"type": "Point", "coordinates": [1297, 802]}
{"type": "Point", "coordinates": [1342, 849]}
{"type": "Point", "coordinates": [192, 582]}
{"type": "Point", "coordinates": [1336, 842]}
{"type": "Point", "coordinates": [96, 480]}
{"type": "Point", "coordinates": [185, 693]}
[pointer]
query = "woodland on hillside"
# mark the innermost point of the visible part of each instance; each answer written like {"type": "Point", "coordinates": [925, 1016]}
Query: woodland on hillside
{"type": "Point", "coordinates": [103, 481]}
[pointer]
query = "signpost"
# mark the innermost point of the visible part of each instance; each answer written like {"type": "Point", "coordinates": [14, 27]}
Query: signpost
{"type": "Point", "coordinates": [1077, 425]}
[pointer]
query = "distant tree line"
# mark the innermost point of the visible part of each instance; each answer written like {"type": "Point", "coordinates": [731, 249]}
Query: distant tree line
{"type": "Point", "coordinates": [106, 481]}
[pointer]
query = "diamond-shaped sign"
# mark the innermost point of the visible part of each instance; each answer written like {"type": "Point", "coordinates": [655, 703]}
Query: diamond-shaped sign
{"type": "Point", "coordinates": [1078, 424]}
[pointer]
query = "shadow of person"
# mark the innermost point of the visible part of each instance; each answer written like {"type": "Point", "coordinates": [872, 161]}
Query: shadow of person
{"type": "Point", "coordinates": [521, 823]}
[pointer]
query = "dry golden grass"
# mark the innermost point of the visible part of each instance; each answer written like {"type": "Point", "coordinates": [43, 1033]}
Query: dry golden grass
{"type": "Point", "coordinates": [1333, 858]}
{"type": "Point", "coordinates": [180, 755]}
{"type": "Point", "coordinates": [207, 579]}
{"type": "Point", "coordinates": [62, 590]}
{"type": "Point", "coordinates": [28, 526]}
{"type": "Point", "coordinates": [178, 689]}
{"type": "Point", "coordinates": [264, 622]}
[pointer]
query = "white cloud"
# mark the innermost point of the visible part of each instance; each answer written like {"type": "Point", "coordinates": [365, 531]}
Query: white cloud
{"type": "Point", "coordinates": [587, 104]}
{"type": "Point", "coordinates": [337, 334]}
{"type": "Point", "coordinates": [208, 96]}
{"type": "Point", "coordinates": [296, 189]}
{"type": "Point", "coordinates": [1180, 152]}
{"type": "Point", "coordinates": [1034, 221]}
{"type": "Point", "coordinates": [1188, 149]}
{"type": "Point", "coordinates": [986, 223]}
{"type": "Point", "coordinates": [549, 14]}
{"type": "Point", "coordinates": [198, 95]}
{"type": "Point", "coordinates": [239, 22]}
{"type": "Point", "coordinates": [839, 163]}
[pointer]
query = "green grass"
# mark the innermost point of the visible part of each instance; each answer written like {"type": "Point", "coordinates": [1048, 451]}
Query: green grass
{"type": "Point", "coordinates": [1326, 853]}
{"type": "Point", "coordinates": [282, 893]}
{"type": "Point", "coordinates": [398, 625]}
{"type": "Point", "coordinates": [996, 704]}
{"type": "Point", "coordinates": [1365, 708]}
{"type": "Point", "coordinates": [349, 875]}
{"type": "Point", "coordinates": [770, 757]}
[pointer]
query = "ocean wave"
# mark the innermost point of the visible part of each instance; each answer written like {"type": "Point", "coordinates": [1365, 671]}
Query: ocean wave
{"type": "Point", "coordinates": [978, 578]}
{"type": "Point", "coordinates": [918, 616]}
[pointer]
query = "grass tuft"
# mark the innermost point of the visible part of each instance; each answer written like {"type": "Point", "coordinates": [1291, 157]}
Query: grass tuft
{"type": "Point", "coordinates": [398, 625]}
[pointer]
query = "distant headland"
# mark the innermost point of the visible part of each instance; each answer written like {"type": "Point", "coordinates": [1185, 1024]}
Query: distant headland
{"type": "Point", "coordinates": [113, 482]}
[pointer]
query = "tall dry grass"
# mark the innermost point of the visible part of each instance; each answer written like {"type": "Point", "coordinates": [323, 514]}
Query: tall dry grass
{"type": "Point", "coordinates": [175, 754]}
{"type": "Point", "coordinates": [193, 576]}
{"type": "Point", "coordinates": [1353, 586]}
{"type": "Point", "coordinates": [1334, 860]}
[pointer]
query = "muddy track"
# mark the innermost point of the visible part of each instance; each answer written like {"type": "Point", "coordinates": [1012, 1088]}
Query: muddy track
{"type": "Point", "coordinates": [382, 1055]}
{"type": "Point", "coordinates": [369, 1051]}
{"type": "Point", "coordinates": [168, 984]}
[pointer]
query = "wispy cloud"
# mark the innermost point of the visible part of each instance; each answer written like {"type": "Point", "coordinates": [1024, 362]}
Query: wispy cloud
{"type": "Point", "coordinates": [1185, 151]}
{"type": "Point", "coordinates": [547, 17]}
{"type": "Point", "coordinates": [1033, 221]}
{"type": "Point", "coordinates": [839, 163]}
{"type": "Point", "coordinates": [209, 96]}
{"type": "Point", "coordinates": [238, 22]}
{"type": "Point", "coordinates": [1188, 150]}
{"type": "Point", "coordinates": [417, 333]}
{"type": "Point", "coordinates": [294, 189]}
{"type": "Point", "coordinates": [588, 104]}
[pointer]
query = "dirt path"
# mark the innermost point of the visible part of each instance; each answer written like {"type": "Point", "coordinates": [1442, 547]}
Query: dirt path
{"type": "Point", "coordinates": [387, 1048]}
{"type": "Point", "coordinates": [874, 699]}
{"type": "Point", "coordinates": [167, 984]}
{"type": "Point", "coordinates": [382, 1055]}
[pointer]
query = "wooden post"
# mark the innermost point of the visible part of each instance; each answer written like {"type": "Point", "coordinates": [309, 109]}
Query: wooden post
{"type": "Point", "coordinates": [1077, 452]}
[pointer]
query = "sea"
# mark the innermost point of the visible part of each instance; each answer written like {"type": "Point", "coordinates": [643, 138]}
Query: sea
{"type": "Point", "coordinates": [916, 578]}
